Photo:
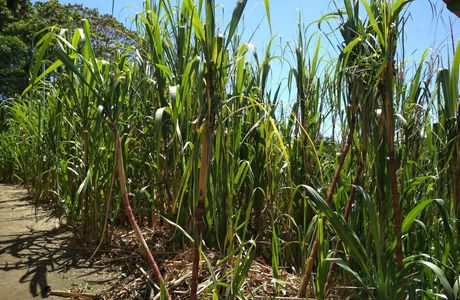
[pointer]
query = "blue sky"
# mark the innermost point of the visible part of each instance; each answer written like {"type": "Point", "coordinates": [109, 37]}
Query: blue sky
{"type": "Point", "coordinates": [422, 30]}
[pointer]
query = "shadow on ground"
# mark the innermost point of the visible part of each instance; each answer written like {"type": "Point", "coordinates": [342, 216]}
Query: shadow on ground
{"type": "Point", "coordinates": [35, 253]}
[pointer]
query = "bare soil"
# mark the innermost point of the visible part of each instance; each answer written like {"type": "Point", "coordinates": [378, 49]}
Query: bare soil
{"type": "Point", "coordinates": [37, 254]}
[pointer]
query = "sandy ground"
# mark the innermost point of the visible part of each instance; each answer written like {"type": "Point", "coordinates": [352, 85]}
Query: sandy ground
{"type": "Point", "coordinates": [35, 253]}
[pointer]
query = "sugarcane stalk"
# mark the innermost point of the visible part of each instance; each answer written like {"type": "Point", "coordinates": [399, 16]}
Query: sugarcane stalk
{"type": "Point", "coordinates": [314, 249]}
{"type": "Point", "coordinates": [205, 151]}
{"type": "Point", "coordinates": [346, 215]}
{"type": "Point", "coordinates": [387, 89]}
{"type": "Point", "coordinates": [129, 211]}
{"type": "Point", "coordinates": [202, 184]}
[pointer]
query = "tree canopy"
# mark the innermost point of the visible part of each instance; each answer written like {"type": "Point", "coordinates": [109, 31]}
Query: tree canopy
{"type": "Point", "coordinates": [21, 21]}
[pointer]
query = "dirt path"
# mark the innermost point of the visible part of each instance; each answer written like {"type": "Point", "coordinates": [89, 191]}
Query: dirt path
{"type": "Point", "coordinates": [35, 253]}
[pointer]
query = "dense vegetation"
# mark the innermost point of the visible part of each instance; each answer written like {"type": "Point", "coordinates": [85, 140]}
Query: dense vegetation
{"type": "Point", "coordinates": [188, 126]}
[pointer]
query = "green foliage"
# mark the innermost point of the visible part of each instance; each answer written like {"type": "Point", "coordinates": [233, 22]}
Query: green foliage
{"type": "Point", "coordinates": [17, 25]}
{"type": "Point", "coordinates": [13, 70]}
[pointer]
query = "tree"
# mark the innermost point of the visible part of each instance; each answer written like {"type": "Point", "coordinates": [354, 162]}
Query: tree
{"type": "Point", "coordinates": [20, 21]}
{"type": "Point", "coordinates": [17, 25]}
{"type": "Point", "coordinates": [453, 6]}
{"type": "Point", "coordinates": [107, 32]}
{"type": "Point", "coordinates": [13, 70]}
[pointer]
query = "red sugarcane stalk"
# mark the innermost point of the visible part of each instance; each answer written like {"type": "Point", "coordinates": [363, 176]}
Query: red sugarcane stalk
{"type": "Point", "coordinates": [396, 209]}
{"type": "Point", "coordinates": [205, 153]}
{"type": "Point", "coordinates": [456, 182]}
{"type": "Point", "coordinates": [455, 170]}
{"type": "Point", "coordinates": [387, 92]}
{"type": "Point", "coordinates": [129, 211]}
{"type": "Point", "coordinates": [314, 249]}
{"type": "Point", "coordinates": [346, 215]}
{"type": "Point", "coordinates": [204, 165]}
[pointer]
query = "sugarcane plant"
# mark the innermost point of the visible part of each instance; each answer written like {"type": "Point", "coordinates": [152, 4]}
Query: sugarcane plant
{"type": "Point", "coordinates": [215, 53]}
{"type": "Point", "coordinates": [108, 90]}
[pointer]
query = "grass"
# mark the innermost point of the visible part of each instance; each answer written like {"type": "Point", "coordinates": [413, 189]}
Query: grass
{"type": "Point", "coordinates": [195, 132]}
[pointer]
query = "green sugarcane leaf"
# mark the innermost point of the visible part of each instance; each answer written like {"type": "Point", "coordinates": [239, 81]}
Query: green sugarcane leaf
{"type": "Point", "coordinates": [341, 263]}
{"type": "Point", "coordinates": [456, 288]}
{"type": "Point", "coordinates": [178, 227]}
{"type": "Point", "coordinates": [413, 214]}
{"type": "Point", "coordinates": [165, 69]}
{"type": "Point", "coordinates": [449, 292]}
{"type": "Point", "coordinates": [49, 70]}
{"type": "Point", "coordinates": [236, 16]}
{"type": "Point", "coordinates": [82, 188]}
{"type": "Point", "coordinates": [349, 238]}
{"type": "Point", "coordinates": [267, 12]}
{"type": "Point", "coordinates": [373, 21]}
{"type": "Point", "coordinates": [196, 22]}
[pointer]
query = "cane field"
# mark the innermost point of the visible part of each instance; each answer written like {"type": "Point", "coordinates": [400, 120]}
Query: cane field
{"type": "Point", "coordinates": [350, 190]}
